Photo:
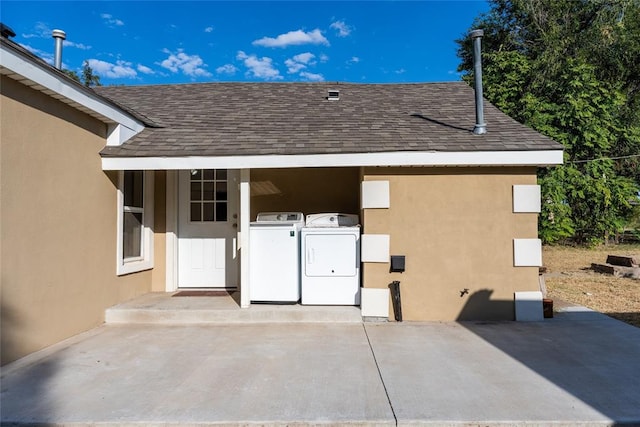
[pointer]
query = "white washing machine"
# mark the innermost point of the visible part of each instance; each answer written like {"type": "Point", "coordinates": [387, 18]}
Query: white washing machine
{"type": "Point", "coordinates": [330, 250]}
{"type": "Point", "coordinates": [274, 257]}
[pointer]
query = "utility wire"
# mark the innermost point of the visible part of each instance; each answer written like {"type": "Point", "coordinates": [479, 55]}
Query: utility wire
{"type": "Point", "coordinates": [604, 158]}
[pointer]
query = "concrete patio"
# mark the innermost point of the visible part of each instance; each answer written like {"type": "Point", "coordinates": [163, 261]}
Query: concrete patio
{"type": "Point", "coordinates": [164, 309]}
{"type": "Point", "coordinates": [579, 368]}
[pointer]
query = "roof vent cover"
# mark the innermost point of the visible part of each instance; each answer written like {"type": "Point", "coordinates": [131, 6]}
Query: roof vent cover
{"type": "Point", "coordinates": [6, 32]}
{"type": "Point", "coordinates": [333, 94]}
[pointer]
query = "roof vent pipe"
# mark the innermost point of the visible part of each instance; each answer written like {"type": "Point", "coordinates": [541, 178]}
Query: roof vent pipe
{"type": "Point", "coordinates": [59, 36]}
{"type": "Point", "coordinates": [481, 127]}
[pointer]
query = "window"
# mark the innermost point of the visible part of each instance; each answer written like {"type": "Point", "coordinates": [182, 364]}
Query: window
{"type": "Point", "coordinates": [133, 215]}
{"type": "Point", "coordinates": [208, 199]}
{"type": "Point", "coordinates": [135, 221]}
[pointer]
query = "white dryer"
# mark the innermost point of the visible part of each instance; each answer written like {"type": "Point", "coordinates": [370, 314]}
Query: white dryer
{"type": "Point", "coordinates": [330, 251]}
{"type": "Point", "coordinates": [274, 257]}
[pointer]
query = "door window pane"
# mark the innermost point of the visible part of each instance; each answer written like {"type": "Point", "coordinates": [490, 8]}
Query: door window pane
{"type": "Point", "coordinates": [208, 193]}
{"type": "Point", "coordinates": [221, 191]}
{"type": "Point", "coordinates": [196, 212]}
{"type": "Point", "coordinates": [208, 174]}
{"type": "Point", "coordinates": [196, 191]}
{"type": "Point", "coordinates": [221, 211]}
{"type": "Point", "coordinates": [207, 212]}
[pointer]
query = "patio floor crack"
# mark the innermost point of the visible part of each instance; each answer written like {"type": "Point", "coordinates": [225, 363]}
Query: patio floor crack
{"type": "Point", "coordinates": [373, 353]}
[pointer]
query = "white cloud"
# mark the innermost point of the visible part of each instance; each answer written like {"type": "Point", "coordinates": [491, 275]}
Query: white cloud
{"type": "Point", "coordinates": [342, 28]}
{"type": "Point", "coordinates": [121, 69]}
{"type": "Point", "coordinates": [190, 65]}
{"type": "Point", "coordinates": [312, 76]}
{"type": "Point", "coordinates": [41, 30]}
{"type": "Point", "coordinates": [299, 62]}
{"type": "Point", "coordinates": [111, 21]}
{"type": "Point", "coordinates": [304, 58]}
{"type": "Point", "coordinates": [145, 70]}
{"type": "Point", "coordinates": [227, 69]}
{"type": "Point", "coordinates": [293, 66]}
{"type": "Point", "coordinates": [400, 71]}
{"type": "Point", "coordinates": [208, 30]}
{"type": "Point", "coordinates": [46, 56]}
{"type": "Point", "coordinates": [81, 46]}
{"type": "Point", "coordinates": [324, 58]}
{"type": "Point", "coordinates": [293, 38]}
{"type": "Point", "coordinates": [353, 60]}
{"type": "Point", "coordinates": [261, 68]}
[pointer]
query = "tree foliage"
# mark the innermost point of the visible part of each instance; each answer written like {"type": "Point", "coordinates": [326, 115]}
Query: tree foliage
{"type": "Point", "coordinates": [571, 70]}
{"type": "Point", "coordinates": [87, 76]}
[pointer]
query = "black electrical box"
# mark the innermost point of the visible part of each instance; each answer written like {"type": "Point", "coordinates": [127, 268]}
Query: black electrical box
{"type": "Point", "coordinates": [397, 263]}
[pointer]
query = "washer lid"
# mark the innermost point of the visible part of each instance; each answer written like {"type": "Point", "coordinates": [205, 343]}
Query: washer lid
{"type": "Point", "coordinates": [331, 220]}
{"type": "Point", "coordinates": [280, 217]}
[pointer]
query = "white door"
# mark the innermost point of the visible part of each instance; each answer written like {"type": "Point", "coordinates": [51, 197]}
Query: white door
{"type": "Point", "coordinates": [207, 228]}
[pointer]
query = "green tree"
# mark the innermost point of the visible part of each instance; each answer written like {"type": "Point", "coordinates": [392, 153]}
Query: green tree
{"type": "Point", "coordinates": [87, 78]}
{"type": "Point", "coordinates": [566, 68]}
{"type": "Point", "coordinates": [72, 74]}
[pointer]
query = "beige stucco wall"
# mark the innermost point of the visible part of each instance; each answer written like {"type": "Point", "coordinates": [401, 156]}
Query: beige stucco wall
{"type": "Point", "coordinates": [311, 190]}
{"type": "Point", "coordinates": [58, 224]}
{"type": "Point", "coordinates": [456, 228]}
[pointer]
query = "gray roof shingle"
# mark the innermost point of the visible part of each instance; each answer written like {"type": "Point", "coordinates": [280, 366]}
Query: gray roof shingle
{"type": "Point", "coordinates": [238, 119]}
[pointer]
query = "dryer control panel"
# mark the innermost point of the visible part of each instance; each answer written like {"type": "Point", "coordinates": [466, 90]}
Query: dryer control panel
{"type": "Point", "coordinates": [331, 220]}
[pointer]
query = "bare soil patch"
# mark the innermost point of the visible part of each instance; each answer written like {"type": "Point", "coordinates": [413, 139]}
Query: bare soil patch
{"type": "Point", "coordinates": [570, 278]}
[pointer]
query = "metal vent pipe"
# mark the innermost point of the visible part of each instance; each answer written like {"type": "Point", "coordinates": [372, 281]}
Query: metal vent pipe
{"type": "Point", "coordinates": [59, 36]}
{"type": "Point", "coordinates": [481, 127]}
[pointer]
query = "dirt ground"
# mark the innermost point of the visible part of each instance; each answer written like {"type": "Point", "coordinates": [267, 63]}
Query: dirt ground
{"type": "Point", "coordinates": [569, 277]}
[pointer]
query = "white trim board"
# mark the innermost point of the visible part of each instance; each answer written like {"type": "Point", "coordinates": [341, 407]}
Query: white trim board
{"type": "Point", "coordinates": [395, 158]}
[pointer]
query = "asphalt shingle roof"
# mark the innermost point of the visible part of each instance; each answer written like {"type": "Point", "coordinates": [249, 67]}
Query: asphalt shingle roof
{"type": "Point", "coordinates": [237, 119]}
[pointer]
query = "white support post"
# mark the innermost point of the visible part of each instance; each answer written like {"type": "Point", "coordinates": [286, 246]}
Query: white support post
{"type": "Point", "coordinates": [243, 237]}
{"type": "Point", "coordinates": [171, 234]}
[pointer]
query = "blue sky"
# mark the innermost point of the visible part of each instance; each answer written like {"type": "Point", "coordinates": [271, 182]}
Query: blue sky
{"type": "Point", "coordinates": [152, 42]}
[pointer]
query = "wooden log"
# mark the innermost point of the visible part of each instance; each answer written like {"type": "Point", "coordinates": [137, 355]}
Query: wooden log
{"type": "Point", "coordinates": [603, 268]}
{"type": "Point", "coordinates": [617, 271]}
{"type": "Point", "coordinates": [623, 261]}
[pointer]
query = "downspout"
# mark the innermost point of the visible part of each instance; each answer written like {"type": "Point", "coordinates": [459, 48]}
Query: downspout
{"type": "Point", "coordinates": [481, 127]}
{"type": "Point", "coordinates": [59, 37]}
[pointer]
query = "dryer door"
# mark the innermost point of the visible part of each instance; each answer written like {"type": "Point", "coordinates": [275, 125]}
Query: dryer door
{"type": "Point", "coordinates": [330, 255]}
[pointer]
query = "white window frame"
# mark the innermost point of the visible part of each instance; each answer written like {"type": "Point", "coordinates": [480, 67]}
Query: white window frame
{"type": "Point", "coordinates": [145, 261]}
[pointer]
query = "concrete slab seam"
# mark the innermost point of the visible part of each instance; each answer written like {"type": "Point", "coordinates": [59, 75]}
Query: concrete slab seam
{"type": "Point", "coordinates": [373, 353]}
